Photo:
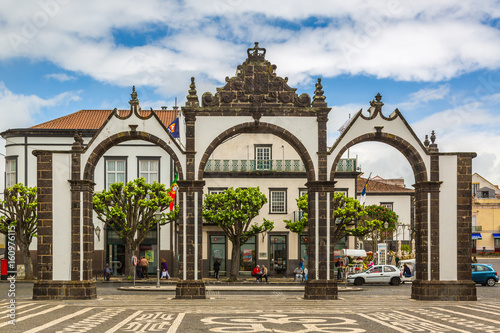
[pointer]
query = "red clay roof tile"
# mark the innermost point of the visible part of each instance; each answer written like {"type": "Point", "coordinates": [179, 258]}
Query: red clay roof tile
{"type": "Point", "coordinates": [94, 119]}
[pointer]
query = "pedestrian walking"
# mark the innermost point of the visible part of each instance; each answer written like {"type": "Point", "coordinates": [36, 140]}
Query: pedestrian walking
{"type": "Point", "coordinates": [164, 269]}
{"type": "Point", "coordinates": [144, 267]}
{"type": "Point", "coordinates": [216, 268]}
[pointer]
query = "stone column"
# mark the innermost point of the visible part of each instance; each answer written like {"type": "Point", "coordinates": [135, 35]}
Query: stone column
{"type": "Point", "coordinates": [190, 285]}
{"type": "Point", "coordinates": [321, 283]}
{"type": "Point", "coordinates": [428, 284]}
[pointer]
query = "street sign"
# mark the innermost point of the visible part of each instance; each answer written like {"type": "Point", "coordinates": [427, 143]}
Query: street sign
{"type": "Point", "coordinates": [134, 260]}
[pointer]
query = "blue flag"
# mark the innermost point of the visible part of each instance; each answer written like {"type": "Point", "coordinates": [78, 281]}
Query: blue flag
{"type": "Point", "coordinates": [174, 128]}
{"type": "Point", "coordinates": [363, 193]}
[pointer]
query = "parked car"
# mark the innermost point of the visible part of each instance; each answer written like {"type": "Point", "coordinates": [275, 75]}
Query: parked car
{"type": "Point", "coordinates": [378, 273]}
{"type": "Point", "coordinates": [484, 274]}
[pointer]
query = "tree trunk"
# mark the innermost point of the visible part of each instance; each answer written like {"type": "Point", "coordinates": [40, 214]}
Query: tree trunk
{"type": "Point", "coordinates": [129, 252]}
{"type": "Point", "coordinates": [234, 272]}
{"type": "Point", "coordinates": [28, 265]}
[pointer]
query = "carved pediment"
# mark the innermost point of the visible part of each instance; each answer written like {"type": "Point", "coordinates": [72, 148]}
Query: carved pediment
{"type": "Point", "coordinates": [256, 84]}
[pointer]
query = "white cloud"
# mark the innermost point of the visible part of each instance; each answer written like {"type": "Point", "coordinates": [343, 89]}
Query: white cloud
{"type": "Point", "coordinates": [17, 110]}
{"type": "Point", "coordinates": [424, 41]}
{"type": "Point", "coordinates": [61, 77]}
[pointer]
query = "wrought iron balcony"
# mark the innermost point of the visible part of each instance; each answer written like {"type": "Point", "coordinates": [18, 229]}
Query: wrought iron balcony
{"type": "Point", "coordinates": [344, 165]}
{"type": "Point", "coordinates": [477, 228]}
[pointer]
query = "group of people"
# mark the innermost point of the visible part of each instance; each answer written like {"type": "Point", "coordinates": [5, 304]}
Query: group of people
{"type": "Point", "coordinates": [260, 272]}
{"type": "Point", "coordinates": [143, 266]}
{"type": "Point", "coordinates": [300, 272]}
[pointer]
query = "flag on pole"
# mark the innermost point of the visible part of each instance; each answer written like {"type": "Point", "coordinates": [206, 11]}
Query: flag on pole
{"type": "Point", "coordinates": [344, 126]}
{"type": "Point", "coordinates": [174, 128]}
{"type": "Point", "coordinates": [363, 193]}
{"type": "Point", "coordinates": [173, 191]}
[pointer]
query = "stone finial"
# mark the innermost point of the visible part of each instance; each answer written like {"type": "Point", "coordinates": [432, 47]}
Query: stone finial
{"type": "Point", "coordinates": [433, 147]}
{"type": "Point", "coordinates": [78, 143]}
{"type": "Point", "coordinates": [318, 93]}
{"type": "Point", "coordinates": [133, 94]}
{"type": "Point", "coordinates": [426, 141]}
{"type": "Point", "coordinates": [134, 102]}
{"type": "Point", "coordinates": [192, 98]}
{"type": "Point", "coordinates": [377, 103]}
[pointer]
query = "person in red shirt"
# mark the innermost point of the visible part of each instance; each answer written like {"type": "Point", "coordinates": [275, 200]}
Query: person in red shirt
{"type": "Point", "coordinates": [257, 274]}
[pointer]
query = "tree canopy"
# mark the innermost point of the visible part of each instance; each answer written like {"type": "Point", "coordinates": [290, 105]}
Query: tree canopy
{"type": "Point", "coordinates": [19, 212]}
{"type": "Point", "coordinates": [351, 218]}
{"type": "Point", "coordinates": [233, 211]}
{"type": "Point", "coordinates": [378, 215]}
{"type": "Point", "coordinates": [131, 210]}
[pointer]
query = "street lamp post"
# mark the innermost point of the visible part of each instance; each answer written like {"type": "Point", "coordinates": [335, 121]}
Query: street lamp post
{"type": "Point", "coordinates": [157, 218]}
{"type": "Point", "coordinates": [386, 226]}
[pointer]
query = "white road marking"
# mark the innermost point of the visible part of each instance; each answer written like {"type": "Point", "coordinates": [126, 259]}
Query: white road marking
{"type": "Point", "coordinates": [57, 321]}
{"type": "Point", "coordinates": [124, 322]}
{"type": "Point", "coordinates": [469, 315]}
{"type": "Point", "coordinates": [17, 307]}
{"type": "Point", "coordinates": [176, 323]}
{"type": "Point", "coordinates": [35, 314]}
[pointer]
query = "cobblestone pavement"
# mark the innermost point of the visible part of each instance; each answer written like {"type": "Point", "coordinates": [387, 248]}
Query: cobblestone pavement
{"type": "Point", "coordinates": [270, 312]}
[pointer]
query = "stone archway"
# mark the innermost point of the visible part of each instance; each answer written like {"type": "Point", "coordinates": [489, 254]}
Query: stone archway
{"type": "Point", "coordinates": [264, 128]}
{"type": "Point", "coordinates": [70, 276]}
{"type": "Point", "coordinates": [442, 225]}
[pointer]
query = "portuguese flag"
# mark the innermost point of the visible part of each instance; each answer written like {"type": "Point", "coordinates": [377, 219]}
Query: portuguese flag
{"type": "Point", "coordinates": [173, 191]}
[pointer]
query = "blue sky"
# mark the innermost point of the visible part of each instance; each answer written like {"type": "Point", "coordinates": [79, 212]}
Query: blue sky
{"type": "Point", "coordinates": [437, 62]}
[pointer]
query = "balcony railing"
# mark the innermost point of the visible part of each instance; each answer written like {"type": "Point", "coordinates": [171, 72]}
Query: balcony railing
{"type": "Point", "coordinates": [344, 165]}
{"type": "Point", "coordinates": [477, 228]}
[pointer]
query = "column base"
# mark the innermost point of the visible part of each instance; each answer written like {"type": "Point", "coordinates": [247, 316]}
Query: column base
{"type": "Point", "coordinates": [321, 289]}
{"type": "Point", "coordinates": [190, 289]}
{"type": "Point", "coordinates": [62, 290]}
{"type": "Point", "coordinates": [464, 290]}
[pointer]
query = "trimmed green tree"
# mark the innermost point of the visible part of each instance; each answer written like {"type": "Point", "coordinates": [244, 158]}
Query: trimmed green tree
{"type": "Point", "coordinates": [19, 213]}
{"type": "Point", "coordinates": [233, 211]}
{"type": "Point", "coordinates": [347, 212]}
{"type": "Point", "coordinates": [378, 215]}
{"type": "Point", "coordinates": [131, 210]}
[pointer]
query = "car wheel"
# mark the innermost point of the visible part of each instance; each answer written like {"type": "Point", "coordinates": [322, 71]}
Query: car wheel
{"type": "Point", "coordinates": [358, 281]}
{"type": "Point", "coordinates": [490, 282]}
{"type": "Point", "coordinates": [395, 281]}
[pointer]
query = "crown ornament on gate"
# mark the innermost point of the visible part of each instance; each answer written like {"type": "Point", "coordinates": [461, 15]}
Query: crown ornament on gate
{"type": "Point", "coordinates": [256, 53]}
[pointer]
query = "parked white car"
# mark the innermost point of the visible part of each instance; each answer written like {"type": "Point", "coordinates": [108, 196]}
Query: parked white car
{"type": "Point", "coordinates": [377, 274]}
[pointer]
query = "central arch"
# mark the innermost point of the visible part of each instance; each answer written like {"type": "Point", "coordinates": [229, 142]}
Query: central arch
{"type": "Point", "coordinates": [264, 128]}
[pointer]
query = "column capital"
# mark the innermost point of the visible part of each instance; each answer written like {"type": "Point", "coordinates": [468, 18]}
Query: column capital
{"type": "Point", "coordinates": [191, 185]}
{"type": "Point", "coordinates": [428, 186]}
{"type": "Point", "coordinates": [321, 186]}
{"type": "Point", "coordinates": [82, 185]}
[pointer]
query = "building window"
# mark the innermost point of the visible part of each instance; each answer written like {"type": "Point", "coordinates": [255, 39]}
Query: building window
{"type": "Point", "coordinates": [263, 157]}
{"type": "Point", "coordinates": [149, 169]}
{"type": "Point", "coordinates": [10, 171]}
{"type": "Point", "coordinates": [388, 205]}
{"type": "Point", "coordinates": [475, 187]}
{"type": "Point", "coordinates": [277, 201]}
{"type": "Point", "coordinates": [116, 170]}
{"type": "Point", "coordinates": [216, 190]}
{"type": "Point", "coordinates": [343, 191]}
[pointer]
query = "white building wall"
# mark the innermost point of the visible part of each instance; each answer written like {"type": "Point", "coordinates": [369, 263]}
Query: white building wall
{"type": "Point", "coordinates": [61, 223]}
{"type": "Point", "coordinates": [448, 218]}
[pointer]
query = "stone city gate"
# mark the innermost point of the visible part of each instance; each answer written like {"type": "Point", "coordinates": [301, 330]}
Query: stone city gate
{"type": "Point", "coordinates": [255, 100]}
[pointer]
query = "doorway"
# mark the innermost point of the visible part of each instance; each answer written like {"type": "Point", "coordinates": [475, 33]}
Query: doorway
{"type": "Point", "coordinates": [278, 254]}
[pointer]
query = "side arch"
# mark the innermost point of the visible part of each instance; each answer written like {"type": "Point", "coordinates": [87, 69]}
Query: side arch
{"type": "Point", "coordinates": [262, 128]}
{"type": "Point", "coordinates": [409, 152]}
{"type": "Point", "coordinates": [105, 145]}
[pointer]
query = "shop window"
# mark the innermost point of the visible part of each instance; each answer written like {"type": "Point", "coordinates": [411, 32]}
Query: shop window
{"type": "Point", "coordinates": [247, 255]}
